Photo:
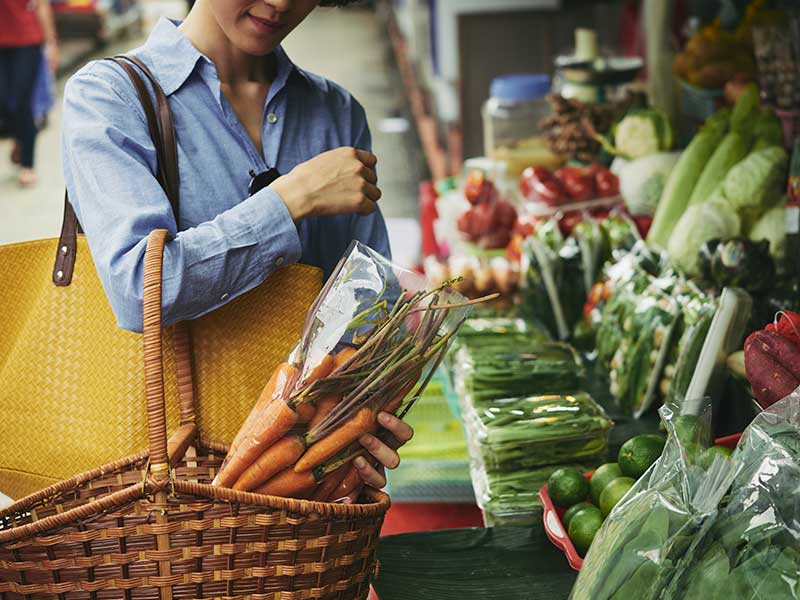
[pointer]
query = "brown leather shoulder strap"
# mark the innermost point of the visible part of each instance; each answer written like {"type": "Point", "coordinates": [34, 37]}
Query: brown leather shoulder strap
{"type": "Point", "coordinates": [162, 132]}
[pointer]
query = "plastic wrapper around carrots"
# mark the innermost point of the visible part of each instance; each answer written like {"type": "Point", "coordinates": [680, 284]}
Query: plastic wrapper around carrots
{"type": "Point", "coordinates": [370, 343]}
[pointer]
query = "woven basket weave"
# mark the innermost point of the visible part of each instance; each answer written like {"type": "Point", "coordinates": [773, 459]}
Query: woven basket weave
{"type": "Point", "coordinates": [150, 527]}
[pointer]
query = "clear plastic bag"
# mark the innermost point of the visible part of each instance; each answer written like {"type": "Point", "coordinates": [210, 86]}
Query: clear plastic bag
{"type": "Point", "coordinates": [642, 541]}
{"type": "Point", "coordinates": [370, 343]}
{"type": "Point", "coordinates": [718, 530]}
{"type": "Point", "coordinates": [752, 548]}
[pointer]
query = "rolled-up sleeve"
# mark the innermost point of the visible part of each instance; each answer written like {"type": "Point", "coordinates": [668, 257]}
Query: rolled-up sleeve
{"type": "Point", "coordinates": [109, 161]}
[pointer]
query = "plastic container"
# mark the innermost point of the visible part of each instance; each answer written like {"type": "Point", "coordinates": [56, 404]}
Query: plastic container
{"type": "Point", "coordinates": [511, 118]}
{"type": "Point", "coordinates": [552, 515]}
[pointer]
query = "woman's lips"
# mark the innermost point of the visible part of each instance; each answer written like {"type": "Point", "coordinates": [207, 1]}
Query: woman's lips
{"type": "Point", "coordinates": [265, 25]}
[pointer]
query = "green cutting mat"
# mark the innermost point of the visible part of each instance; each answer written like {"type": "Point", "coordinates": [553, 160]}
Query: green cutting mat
{"type": "Point", "coordinates": [508, 563]}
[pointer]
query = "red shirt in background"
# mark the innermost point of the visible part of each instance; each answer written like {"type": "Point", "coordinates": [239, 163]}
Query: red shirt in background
{"type": "Point", "coordinates": [19, 25]}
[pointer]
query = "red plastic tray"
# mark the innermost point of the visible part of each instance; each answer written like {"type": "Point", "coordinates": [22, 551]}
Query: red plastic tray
{"type": "Point", "coordinates": [552, 515]}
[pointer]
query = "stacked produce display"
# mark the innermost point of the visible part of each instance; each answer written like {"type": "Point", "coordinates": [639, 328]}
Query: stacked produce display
{"type": "Point", "coordinates": [517, 439]}
{"type": "Point", "coordinates": [654, 275]}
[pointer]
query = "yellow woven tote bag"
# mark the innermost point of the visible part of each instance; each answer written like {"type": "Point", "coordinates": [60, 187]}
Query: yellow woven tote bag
{"type": "Point", "coordinates": [71, 381]}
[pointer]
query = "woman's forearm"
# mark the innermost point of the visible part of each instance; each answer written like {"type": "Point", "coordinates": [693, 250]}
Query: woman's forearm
{"type": "Point", "coordinates": [44, 12]}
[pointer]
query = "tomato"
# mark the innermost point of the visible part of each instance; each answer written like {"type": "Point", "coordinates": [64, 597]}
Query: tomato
{"type": "Point", "coordinates": [495, 239]}
{"type": "Point", "coordinates": [537, 183]}
{"type": "Point", "coordinates": [578, 183]}
{"type": "Point", "coordinates": [606, 182]}
{"type": "Point", "coordinates": [478, 189]}
{"type": "Point", "coordinates": [506, 215]}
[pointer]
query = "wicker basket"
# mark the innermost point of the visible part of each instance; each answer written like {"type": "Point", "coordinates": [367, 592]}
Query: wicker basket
{"type": "Point", "coordinates": [150, 527]}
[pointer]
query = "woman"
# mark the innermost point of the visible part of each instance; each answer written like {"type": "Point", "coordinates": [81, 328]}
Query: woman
{"type": "Point", "coordinates": [240, 107]}
{"type": "Point", "coordinates": [26, 26]}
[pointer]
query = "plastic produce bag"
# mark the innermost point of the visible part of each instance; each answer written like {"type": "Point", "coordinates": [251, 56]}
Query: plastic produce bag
{"type": "Point", "coordinates": [492, 369]}
{"type": "Point", "coordinates": [637, 551]}
{"type": "Point", "coordinates": [752, 548]}
{"type": "Point", "coordinates": [642, 345]}
{"type": "Point", "coordinates": [514, 434]}
{"type": "Point", "coordinates": [370, 343]}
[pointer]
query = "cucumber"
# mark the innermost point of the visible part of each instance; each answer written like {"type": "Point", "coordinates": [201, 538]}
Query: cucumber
{"type": "Point", "coordinates": [683, 178]}
{"type": "Point", "coordinates": [732, 149]}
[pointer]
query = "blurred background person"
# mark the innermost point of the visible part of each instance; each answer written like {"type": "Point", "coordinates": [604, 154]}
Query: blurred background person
{"type": "Point", "coordinates": [27, 30]}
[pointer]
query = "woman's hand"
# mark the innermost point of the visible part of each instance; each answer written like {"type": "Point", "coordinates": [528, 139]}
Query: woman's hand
{"type": "Point", "coordinates": [339, 181]}
{"type": "Point", "coordinates": [385, 452]}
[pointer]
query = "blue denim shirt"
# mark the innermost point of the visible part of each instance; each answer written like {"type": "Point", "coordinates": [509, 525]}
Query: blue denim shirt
{"type": "Point", "coordinates": [223, 243]}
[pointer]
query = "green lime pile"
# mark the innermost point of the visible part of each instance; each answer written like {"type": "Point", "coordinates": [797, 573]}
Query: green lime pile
{"type": "Point", "coordinates": [589, 500]}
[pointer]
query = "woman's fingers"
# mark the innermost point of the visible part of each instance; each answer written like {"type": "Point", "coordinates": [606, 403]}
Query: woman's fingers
{"type": "Point", "coordinates": [369, 474]}
{"type": "Point", "coordinates": [397, 427]}
{"type": "Point", "coordinates": [368, 159]}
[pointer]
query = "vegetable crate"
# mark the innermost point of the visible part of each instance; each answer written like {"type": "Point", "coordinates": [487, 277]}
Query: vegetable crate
{"type": "Point", "coordinates": [552, 515]}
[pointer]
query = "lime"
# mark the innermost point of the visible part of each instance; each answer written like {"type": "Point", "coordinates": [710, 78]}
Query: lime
{"type": "Point", "coordinates": [583, 527]}
{"type": "Point", "coordinates": [638, 453]}
{"type": "Point", "coordinates": [614, 492]}
{"type": "Point", "coordinates": [574, 510]}
{"type": "Point", "coordinates": [707, 458]}
{"type": "Point", "coordinates": [689, 429]}
{"type": "Point", "coordinates": [604, 475]}
{"type": "Point", "coordinates": [567, 486]}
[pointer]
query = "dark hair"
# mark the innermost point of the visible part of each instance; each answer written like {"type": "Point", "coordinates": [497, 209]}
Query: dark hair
{"type": "Point", "coordinates": [337, 2]}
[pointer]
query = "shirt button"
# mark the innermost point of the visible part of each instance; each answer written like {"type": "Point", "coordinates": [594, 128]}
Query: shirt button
{"type": "Point", "coordinates": [272, 118]}
{"type": "Point", "coordinates": [279, 261]}
{"type": "Point", "coordinates": [224, 296]}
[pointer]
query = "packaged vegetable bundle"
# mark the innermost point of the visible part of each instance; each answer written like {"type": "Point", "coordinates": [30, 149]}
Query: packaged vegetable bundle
{"type": "Point", "coordinates": [559, 272]}
{"type": "Point", "coordinates": [515, 434]}
{"type": "Point", "coordinates": [370, 343]}
{"type": "Point", "coordinates": [648, 321]}
{"type": "Point", "coordinates": [752, 548]}
{"type": "Point", "coordinates": [491, 370]}
{"type": "Point", "coordinates": [637, 551]}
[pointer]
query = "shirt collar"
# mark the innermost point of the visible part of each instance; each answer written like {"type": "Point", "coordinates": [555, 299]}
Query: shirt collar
{"type": "Point", "coordinates": [173, 58]}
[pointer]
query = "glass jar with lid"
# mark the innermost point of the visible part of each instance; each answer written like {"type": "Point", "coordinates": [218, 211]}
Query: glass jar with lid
{"type": "Point", "coordinates": [511, 118]}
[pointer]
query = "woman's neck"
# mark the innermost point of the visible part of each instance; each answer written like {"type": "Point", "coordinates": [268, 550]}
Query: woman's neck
{"type": "Point", "coordinates": [233, 66]}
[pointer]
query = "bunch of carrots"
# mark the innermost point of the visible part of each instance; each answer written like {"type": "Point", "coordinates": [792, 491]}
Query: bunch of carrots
{"type": "Point", "coordinates": [302, 434]}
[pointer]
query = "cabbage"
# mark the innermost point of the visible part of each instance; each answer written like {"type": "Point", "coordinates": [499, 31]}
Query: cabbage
{"type": "Point", "coordinates": [772, 227]}
{"type": "Point", "coordinates": [641, 181]}
{"type": "Point", "coordinates": [700, 223]}
{"type": "Point", "coordinates": [643, 132]}
{"type": "Point", "coordinates": [754, 181]}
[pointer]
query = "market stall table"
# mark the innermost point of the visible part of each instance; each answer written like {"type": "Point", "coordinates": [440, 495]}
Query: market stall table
{"type": "Point", "coordinates": [513, 563]}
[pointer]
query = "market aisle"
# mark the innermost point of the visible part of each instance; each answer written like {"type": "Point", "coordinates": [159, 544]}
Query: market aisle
{"type": "Point", "coordinates": [348, 46]}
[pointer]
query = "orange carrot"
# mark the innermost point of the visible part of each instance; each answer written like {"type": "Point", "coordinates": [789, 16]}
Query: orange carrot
{"type": "Point", "coordinates": [342, 357]}
{"type": "Point", "coordinates": [324, 408]}
{"type": "Point", "coordinates": [349, 431]}
{"type": "Point", "coordinates": [321, 371]}
{"type": "Point", "coordinates": [364, 421]}
{"type": "Point", "coordinates": [275, 420]}
{"type": "Point", "coordinates": [289, 484]}
{"type": "Point", "coordinates": [281, 378]}
{"type": "Point", "coordinates": [305, 412]}
{"type": "Point", "coordinates": [277, 457]}
{"type": "Point", "coordinates": [349, 482]}
{"type": "Point", "coordinates": [329, 483]}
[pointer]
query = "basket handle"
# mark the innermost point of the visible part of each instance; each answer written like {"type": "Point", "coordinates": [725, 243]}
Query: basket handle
{"type": "Point", "coordinates": [153, 354]}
